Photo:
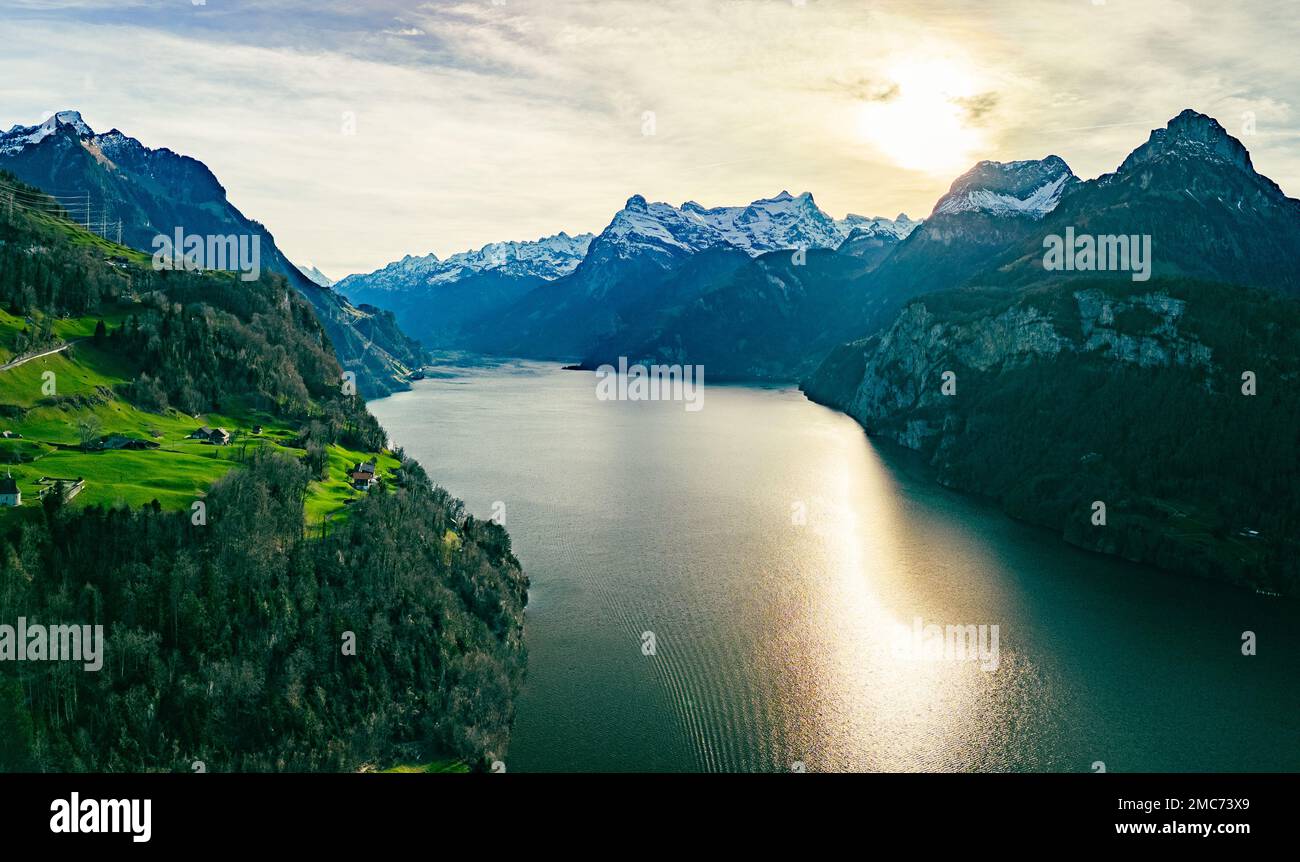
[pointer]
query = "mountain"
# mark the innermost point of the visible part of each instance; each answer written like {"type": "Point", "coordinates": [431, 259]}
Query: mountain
{"type": "Point", "coordinates": [1193, 189]}
{"type": "Point", "coordinates": [565, 296]}
{"type": "Point", "coordinates": [434, 299]}
{"type": "Point", "coordinates": [993, 207]}
{"type": "Point", "coordinates": [225, 573]}
{"type": "Point", "coordinates": [783, 222]}
{"type": "Point", "coordinates": [767, 318]}
{"type": "Point", "coordinates": [104, 179]}
{"type": "Point", "coordinates": [873, 240]}
{"type": "Point", "coordinates": [777, 316]}
{"type": "Point", "coordinates": [636, 270]}
{"type": "Point", "coordinates": [315, 275]}
{"type": "Point", "coordinates": [1168, 400]}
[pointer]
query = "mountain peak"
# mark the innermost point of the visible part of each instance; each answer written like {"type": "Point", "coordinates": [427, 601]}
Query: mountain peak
{"type": "Point", "coordinates": [69, 118]}
{"type": "Point", "coordinates": [1191, 134]}
{"type": "Point", "coordinates": [1031, 187]}
{"type": "Point", "coordinates": [21, 136]}
{"type": "Point", "coordinates": [636, 202]}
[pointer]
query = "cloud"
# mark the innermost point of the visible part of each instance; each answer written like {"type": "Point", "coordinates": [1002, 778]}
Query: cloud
{"type": "Point", "coordinates": [978, 107]}
{"type": "Point", "coordinates": [478, 122]}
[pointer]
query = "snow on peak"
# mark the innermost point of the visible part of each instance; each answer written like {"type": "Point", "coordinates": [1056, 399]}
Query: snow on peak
{"type": "Point", "coordinates": [548, 258]}
{"type": "Point", "coordinates": [1030, 188]}
{"type": "Point", "coordinates": [777, 223]}
{"type": "Point", "coordinates": [898, 227]}
{"type": "Point", "coordinates": [315, 274]}
{"type": "Point", "coordinates": [19, 137]}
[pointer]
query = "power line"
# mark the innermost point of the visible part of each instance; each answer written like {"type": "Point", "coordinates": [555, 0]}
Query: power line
{"type": "Point", "coordinates": [79, 208]}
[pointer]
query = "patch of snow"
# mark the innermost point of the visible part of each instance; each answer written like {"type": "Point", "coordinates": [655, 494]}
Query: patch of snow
{"type": "Point", "coordinates": [1037, 204]}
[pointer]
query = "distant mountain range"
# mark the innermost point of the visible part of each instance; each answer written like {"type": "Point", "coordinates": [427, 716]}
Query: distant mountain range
{"type": "Point", "coordinates": [108, 178]}
{"type": "Point", "coordinates": [1072, 385]}
{"type": "Point", "coordinates": [572, 297]}
{"type": "Point", "coordinates": [435, 300]}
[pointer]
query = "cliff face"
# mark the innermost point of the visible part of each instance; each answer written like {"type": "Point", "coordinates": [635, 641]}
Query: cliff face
{"type": "Point", "coordinates": [1131, 395]}
{"type": "Point", "coordinates": [902, 370]}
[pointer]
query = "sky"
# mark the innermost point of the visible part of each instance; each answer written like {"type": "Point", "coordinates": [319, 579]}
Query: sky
{"type": "Point", "coordinates": [360, 132]}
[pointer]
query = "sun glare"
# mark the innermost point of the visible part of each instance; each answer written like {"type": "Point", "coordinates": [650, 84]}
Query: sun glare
{"type": "Point", "coordinates": [921, 123]}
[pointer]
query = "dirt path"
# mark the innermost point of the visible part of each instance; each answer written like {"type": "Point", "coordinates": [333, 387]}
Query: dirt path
{"type": "Point", "coordinates": [22, 360]}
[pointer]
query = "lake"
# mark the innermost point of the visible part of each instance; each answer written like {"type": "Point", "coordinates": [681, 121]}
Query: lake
{"type": "Point", "coordinates": [748, 587]}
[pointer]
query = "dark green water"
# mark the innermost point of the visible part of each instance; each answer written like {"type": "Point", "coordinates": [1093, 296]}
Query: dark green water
{"type": "Point", "coordinates": [774, 639]}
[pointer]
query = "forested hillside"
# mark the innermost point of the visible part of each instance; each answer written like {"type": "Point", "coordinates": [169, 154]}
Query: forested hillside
{"type": "Point", "coordinates": [259, 613]}
{"type": "Point", "coordinates": [1172, 403]}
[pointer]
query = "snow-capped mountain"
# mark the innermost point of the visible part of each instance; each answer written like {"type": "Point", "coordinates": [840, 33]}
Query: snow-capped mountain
{"type": "Point", "coordinates": [1046, 351]}
{"type": "Point", "coordinates": [315, 274]}
{"type": "Point", "coordinates": [436, 299]}
{"type": "Point", "coordinates": [20, 136]}
{"type": "Point", "coordinates": [878, 226]}
{"type": "Point", "coordinates": [783, 222]}
{"type": "Point", "coordinates": [500, 297]}
{"type": "Point", "coordinates": [157, 191]}
{"type": "Point", "coordinates": [1192, 188]}
{"type": "Point", "coordinates": [772, 224]}
{"type": "Point", "coordinates": [547, 259]}
{"type": "Point", "coordinates": [1025, 188]}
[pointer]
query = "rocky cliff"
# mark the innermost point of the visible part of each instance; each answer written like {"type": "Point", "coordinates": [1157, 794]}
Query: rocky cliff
{"type": "Point", "coordinates": [1052, 400]}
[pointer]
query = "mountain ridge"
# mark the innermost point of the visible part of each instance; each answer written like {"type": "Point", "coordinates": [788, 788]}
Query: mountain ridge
{"type": "Point", "coordinates": [154, 192]}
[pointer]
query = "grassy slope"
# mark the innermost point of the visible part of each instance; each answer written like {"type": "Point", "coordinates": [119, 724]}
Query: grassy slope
{"type": "Point", "coordinates": [176, 474]}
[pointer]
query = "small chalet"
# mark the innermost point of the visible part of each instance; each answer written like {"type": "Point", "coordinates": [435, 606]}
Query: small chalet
{"type": "Point", "coordinates": [362, 476]}
{"type": "Point", "coordinates": [215, 436]}
{"type": "Point", "coordinates": [9, 493]}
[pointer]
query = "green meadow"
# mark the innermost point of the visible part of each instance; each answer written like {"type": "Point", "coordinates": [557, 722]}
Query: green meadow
{"type": "Point", "coordinates": [46, 410]}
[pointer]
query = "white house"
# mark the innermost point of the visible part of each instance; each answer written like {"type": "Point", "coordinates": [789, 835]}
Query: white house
{"type": "Point", "coordinates": [9, 493]}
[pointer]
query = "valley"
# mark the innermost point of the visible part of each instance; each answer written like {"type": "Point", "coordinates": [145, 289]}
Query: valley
{"type": "Point", "coordinates": [1080, 379]}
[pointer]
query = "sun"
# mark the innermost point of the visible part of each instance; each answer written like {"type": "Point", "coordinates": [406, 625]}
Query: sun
{"type": "Point", "coordinates": [921, 123]}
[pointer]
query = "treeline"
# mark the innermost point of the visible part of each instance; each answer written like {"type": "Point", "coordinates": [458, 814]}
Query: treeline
{"type": "Point", "coordinates": [225, 641]}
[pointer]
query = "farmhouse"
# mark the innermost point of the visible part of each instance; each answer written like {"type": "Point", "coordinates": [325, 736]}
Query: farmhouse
{"type": "Point", "coordinates": [362, 475]}
{"type": "Point", "coordinates": [215, 436]}
{"type": "Point", "coordinates": [9, 493]}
